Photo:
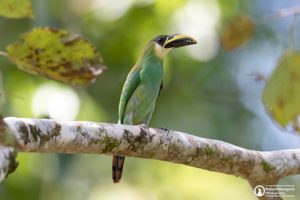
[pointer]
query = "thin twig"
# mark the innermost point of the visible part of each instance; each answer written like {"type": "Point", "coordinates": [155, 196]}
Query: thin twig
{"type": "Point", "coordinates": [279, 14]}
{"type": "Point", "coordinates": [292, 32]}
{"type": "Point", "coordinates": [10, 94]}
{"type": "Point", "coordinates": [2, 53]}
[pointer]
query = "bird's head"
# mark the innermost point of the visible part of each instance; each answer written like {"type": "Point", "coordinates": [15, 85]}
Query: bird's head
{"type": "Point", "coordinates": [165, 43]}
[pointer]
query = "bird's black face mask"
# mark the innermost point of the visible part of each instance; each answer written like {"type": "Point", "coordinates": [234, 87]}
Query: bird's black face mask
{"type": "Point", "coordinates": [161, 39]}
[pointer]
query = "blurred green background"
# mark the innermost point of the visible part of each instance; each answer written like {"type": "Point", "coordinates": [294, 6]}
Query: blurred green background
{"type": "Point", "coordinates": [207, 92]}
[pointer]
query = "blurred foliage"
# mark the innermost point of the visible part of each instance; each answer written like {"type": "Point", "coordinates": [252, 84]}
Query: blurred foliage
{"type": "Point", "coordinates": [16, 8]}
{"type": "Point", "coordinates": [237, 32]}
{"type": "Point", "coordinates": [54, 54]}
{"type": "Point", "coordinates": [281, 96]}
{"type": "Point", "coordinates": [215, 98]}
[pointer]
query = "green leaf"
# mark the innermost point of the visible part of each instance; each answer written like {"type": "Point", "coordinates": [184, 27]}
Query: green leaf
{"type": "Point", "coordinates": [15, 8]}
{"type": "Point", "coordinates": [55, 54]}
{"type": "Point", "coordinates": [281, 96]}
{"type": "Point", "coordinates": [237, 32]}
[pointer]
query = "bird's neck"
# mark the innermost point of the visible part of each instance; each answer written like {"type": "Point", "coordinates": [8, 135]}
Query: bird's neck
{"type": "Point", "coordinates": [152, 67]}
{"type": "Point", "coordinates": [160, 51]}
{"type": "Point", "coordinates": [155, 50]}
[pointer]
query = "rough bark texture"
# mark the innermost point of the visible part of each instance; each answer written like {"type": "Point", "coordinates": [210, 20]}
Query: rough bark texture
{"type": "Point", "coordinates": [8, 162]}
{"type": "Point", "coordinates": [43, 135]}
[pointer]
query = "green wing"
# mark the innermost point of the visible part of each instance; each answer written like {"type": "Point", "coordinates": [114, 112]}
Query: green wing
{"type": "Point", "coordinates": [131, 83]}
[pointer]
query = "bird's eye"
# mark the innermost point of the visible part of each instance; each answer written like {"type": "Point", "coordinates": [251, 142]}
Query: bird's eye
{"type": "Point", "coordinates": [160, 40]}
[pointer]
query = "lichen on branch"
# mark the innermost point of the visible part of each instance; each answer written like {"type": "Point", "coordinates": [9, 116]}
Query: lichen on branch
{"type": "Point", "coordinates": [258, 167]}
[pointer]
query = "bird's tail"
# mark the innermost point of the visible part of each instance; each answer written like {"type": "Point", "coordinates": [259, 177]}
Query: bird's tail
{"type": "Point", "coordinates": [117, 168]}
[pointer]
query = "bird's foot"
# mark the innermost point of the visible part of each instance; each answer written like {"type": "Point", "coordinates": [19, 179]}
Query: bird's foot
{"type": "Point", "coordinates": [143, 126]}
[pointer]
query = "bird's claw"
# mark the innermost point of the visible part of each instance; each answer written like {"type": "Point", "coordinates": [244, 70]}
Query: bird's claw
{"type": "Point", "coordinates": [143, 126]}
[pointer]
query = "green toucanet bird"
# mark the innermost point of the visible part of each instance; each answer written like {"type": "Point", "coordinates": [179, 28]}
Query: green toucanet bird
{"type": "Point", "coordinates": [142, 87]}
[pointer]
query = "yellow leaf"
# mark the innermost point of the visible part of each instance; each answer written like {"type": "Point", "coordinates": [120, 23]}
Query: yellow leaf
{"type": "Point", "coordinates": [281, 96]}
{"type": "Point", "coordinates": [55, 54]}
{"type": "Point", "coordinates": [237, 32]}
{"type": "Point", "coordinates": [15, 8]}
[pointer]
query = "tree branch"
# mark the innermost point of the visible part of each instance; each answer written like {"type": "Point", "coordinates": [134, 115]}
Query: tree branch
{"type": "Point", "coordinates": [285, 12]}
{"type": "Point", "coordinates": [8, 162]}
{"type": "Point", "coordinates": [44, 135]}
{"type": "Point", "coordinates": [2, 53]}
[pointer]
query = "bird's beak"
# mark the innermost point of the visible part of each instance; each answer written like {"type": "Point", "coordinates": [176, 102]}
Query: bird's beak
{"type": "Point", "coordinates": [178, 40]}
